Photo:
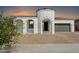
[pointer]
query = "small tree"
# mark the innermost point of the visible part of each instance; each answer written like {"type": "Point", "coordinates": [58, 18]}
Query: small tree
{"type": "Point", "coordinates": [7, 30]}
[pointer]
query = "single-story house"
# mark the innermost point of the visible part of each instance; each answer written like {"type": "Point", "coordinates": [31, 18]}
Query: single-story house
{"type": "Point", "coordinates": [44, 21]}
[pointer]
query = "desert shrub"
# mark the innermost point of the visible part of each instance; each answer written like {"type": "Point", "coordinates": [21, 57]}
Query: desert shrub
{"type": "Point", "coordinates": [7, 29]}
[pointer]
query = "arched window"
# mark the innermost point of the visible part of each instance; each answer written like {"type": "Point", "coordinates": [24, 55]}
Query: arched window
{"type": "Point", "coordinates": [19, 26]}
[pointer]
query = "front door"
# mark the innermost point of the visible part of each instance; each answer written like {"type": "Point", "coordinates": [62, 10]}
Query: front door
{"type": "Point", "coordinates": [45, 26]}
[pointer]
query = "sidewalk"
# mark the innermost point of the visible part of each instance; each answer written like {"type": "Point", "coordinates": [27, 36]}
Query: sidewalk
{"type": "Point", "coordinates": [46, 48]}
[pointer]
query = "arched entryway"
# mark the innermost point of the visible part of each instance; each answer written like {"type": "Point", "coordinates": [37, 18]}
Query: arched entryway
{"type": "Point", "coordinates": [19, 26]}
{"type": "Point", "coordinates": [46, 25]}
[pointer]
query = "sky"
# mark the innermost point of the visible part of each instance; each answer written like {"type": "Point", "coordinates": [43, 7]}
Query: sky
{"type": "Point", "coordinates": [61, 11]}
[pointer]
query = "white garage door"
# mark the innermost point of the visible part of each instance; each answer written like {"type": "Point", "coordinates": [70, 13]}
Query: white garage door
{"type": "Point", "coordinates": [62, 27]}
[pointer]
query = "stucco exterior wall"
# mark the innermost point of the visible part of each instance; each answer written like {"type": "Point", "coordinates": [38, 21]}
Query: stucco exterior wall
{"type": "Point", "coordinates": [25, 25]}
{"type": "Point", "coordinates": [45, 14]}
{"type": "Point", "coordinates": [37, 24]}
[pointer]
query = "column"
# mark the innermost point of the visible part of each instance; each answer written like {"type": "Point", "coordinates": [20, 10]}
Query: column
{"type": "Point", "coordinates": [35, 26]}
{"type": "Point", "coordinates": [53, 26]}
{"type": "Point", "coordinates": [24, 27]}
{"type": "Point", "coordinates": [50, 26]}
{"type": "Point", "coordinates": [41, 27]}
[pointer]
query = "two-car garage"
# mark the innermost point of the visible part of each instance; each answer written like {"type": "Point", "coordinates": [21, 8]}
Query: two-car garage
{"type": "Point", "coordinates": [62, 27]}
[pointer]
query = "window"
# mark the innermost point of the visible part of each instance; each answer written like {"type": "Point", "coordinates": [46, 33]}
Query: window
{"type": "Point", "coordinates": [31, 24]}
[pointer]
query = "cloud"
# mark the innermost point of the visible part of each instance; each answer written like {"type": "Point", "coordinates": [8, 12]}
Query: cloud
{"type": "Point", "coordinates": [22, 13]}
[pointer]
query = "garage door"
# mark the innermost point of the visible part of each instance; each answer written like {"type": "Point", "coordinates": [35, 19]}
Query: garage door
{"type": "Point", "coordinates": [62, 27]}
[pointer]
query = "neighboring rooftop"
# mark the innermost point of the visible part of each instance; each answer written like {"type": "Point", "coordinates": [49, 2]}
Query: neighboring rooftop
{"type": "Point", "coordinates": [62, 18]}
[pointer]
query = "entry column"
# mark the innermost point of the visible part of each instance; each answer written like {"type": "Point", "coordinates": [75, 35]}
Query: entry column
{"type": "Point", "coordinates": [53, 26]}
{"type": "Point", "coordinates": [41, 27]}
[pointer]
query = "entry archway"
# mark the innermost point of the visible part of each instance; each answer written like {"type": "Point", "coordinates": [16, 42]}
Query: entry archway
{"type": "Point", "coordinates": [46, 25]}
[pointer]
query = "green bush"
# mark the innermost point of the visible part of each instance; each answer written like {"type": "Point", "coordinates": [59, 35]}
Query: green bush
{"type": "Point", "coordinates": [7, 29]}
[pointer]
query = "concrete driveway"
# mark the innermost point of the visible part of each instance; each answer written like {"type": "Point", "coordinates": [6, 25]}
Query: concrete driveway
{"type": "Point", "coordinates": [61, 42]}
{"type": "Point", "coordinates": [46, 38]}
